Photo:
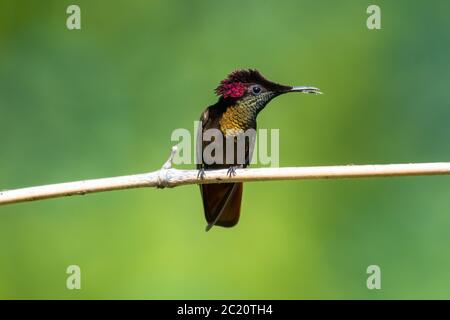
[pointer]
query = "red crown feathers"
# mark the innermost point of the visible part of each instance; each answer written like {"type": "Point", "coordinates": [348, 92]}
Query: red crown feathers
{"type": "Point", "coordinates": [236, 83]}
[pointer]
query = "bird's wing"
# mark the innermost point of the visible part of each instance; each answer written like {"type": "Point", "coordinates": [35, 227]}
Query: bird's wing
{"type": "Point", "coordinates": [205, 121]}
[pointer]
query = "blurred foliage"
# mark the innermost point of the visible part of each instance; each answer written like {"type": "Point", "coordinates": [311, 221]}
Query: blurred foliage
{"type": "Point", "coordinates": [104, 100]}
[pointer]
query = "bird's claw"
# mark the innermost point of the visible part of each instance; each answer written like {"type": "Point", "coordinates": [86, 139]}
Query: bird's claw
{"type": "Point", "coordinates": [232, 171]}
{"type": "Point", "coordinates": [201, 174]}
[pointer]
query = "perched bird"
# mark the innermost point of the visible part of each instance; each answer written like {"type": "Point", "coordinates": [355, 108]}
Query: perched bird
{"type": "Point", "coordinates": [242, 95]}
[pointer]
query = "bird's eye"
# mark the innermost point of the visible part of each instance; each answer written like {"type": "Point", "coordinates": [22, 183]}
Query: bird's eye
{"type": "Point", "coordinates": [256, 89]}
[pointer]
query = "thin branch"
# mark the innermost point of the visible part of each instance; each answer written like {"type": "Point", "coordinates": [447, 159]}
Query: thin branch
{"type": "Point", "coordinates": [168, 177]}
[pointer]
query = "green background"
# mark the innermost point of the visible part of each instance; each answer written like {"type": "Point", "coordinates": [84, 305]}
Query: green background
{"type": "Point", "coordinates": [104, 100]}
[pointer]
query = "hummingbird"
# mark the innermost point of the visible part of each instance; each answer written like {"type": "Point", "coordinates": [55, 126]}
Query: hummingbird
{"type": "Point", "coordinates": [242, 95]}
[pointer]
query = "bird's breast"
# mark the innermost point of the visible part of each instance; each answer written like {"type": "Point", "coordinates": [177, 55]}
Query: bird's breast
{"type": "Point", "coordinates": [236, 120]}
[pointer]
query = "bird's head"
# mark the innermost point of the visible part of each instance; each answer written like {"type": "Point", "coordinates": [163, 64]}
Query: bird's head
{"type": "Point", "coordinates": [253, 90]}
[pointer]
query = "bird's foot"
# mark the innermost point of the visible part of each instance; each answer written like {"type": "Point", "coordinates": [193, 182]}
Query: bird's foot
{"type": "Point", "coordinates": [201, 174]}
{"type": "Point", "coordinates": [232, 170]}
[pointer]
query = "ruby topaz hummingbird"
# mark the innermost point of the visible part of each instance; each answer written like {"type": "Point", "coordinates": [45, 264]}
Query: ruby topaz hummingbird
{"type": "Point", "coordinates": [242, 95]}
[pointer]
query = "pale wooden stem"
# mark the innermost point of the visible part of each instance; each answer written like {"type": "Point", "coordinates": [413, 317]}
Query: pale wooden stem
{"type": "Point", "coordinates": [168, 177]}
